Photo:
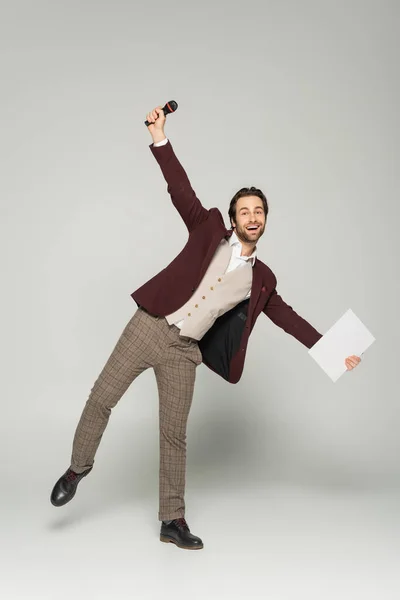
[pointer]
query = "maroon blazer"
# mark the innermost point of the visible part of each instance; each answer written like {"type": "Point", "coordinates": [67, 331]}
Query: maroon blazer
{"type": "Point", "coordinates": [173, 286]}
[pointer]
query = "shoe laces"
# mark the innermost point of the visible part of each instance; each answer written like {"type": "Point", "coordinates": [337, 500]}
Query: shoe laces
{"type": "Point", "coordinates": [71, 475]}
{"type": "Point", "coordinates": [181, 523]}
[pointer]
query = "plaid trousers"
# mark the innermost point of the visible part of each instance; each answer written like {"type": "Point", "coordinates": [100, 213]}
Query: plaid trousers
{"type": "Point", "coordinates": [146, 341]}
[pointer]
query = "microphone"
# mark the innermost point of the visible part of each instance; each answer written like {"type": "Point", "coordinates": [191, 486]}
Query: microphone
{"type": "Point", "coordinates": [170, 107]}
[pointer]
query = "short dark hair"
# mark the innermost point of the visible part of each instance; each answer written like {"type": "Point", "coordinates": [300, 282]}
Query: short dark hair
{"type": "Point", "coordinates": [246, 191]}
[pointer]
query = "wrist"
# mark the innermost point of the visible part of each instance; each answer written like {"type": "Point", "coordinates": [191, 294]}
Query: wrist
{"type": "Point", "coordinates": [158, 136]}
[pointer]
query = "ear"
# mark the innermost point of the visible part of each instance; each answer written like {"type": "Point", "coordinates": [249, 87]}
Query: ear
{"type": "Point", "coordinates": [233, 224]}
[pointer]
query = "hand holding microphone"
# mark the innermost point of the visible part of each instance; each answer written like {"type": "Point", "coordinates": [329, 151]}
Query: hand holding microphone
{"type": "Point", "coordinates": [156, 120]}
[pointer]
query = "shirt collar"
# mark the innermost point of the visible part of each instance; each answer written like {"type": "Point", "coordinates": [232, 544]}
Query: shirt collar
{"type": "Point", "coordinates": [234, 241]}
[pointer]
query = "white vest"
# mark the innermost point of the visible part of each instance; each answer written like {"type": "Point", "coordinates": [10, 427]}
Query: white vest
{"type": "Point", "coordinates": [217, 293]}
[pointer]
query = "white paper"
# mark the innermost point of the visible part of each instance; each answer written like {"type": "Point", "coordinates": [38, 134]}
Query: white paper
{"type": "Point", "coordinates": [346, 337]}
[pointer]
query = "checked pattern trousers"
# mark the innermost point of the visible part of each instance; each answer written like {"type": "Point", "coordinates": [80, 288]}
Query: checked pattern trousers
{"type": "Point", "coordinates": [147, 341]}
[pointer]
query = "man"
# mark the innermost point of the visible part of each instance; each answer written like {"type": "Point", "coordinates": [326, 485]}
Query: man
{"type": "Point", "coordinates": [200, 308]}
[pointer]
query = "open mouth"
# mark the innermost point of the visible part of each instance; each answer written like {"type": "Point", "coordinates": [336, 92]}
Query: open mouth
{"type": "Point", "coordinates": [253, 228]}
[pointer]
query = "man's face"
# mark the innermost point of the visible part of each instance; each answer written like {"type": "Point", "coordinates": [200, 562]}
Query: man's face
{"type": "Point", "coordinates": [250, 219]}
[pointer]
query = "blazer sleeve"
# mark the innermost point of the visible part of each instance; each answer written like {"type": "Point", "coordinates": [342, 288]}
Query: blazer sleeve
{"type": "Point", "coordinates": [285, 317]}
{"type": "Point", "coordinates": [182, 194]}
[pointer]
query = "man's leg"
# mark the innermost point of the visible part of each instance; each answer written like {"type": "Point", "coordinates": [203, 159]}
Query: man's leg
{"type": "Point", "coordinates": [132, 354]}
{"type": "Point", "coordinates": [175, 380]}
{"type": "Point", "coordinates": [136, 350]}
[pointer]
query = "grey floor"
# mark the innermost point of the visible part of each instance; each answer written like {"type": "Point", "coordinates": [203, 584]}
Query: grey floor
{"type": "Point", "coordinates": [271, 540]}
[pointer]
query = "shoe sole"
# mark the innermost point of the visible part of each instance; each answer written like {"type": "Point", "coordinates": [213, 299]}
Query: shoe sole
{"type": "Point", "coordinates": [168, 540]}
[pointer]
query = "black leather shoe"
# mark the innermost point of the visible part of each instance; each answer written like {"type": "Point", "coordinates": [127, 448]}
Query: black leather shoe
{"type": "Point", "coordinates": [178, 533]}
{"type": "Point", "coordinates": [65, 488]}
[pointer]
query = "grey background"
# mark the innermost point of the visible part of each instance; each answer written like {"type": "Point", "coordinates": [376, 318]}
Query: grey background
{"type": "Point", "coordinates": [293, 481]}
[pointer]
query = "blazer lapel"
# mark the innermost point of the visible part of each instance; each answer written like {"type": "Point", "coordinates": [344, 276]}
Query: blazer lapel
{"type": "Point", "coordinates": [255, 288]}
{"type": "Point", "coordinates": [216, 240]}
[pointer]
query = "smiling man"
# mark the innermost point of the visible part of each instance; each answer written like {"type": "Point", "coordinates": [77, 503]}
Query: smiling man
{"type": "Point", "coordinates": [248, 217]}
{"type": "Point", "coordinates": [202, 307]}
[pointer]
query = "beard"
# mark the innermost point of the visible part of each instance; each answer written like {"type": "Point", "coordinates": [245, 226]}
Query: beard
{"type": "Point", "coordinates": [246, 236]}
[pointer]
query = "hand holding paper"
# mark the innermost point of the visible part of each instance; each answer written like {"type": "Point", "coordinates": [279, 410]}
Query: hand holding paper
{"type": "Point", "coordinates": [352, 361]}
{"type": "Point", "coordinates": [348, 337]}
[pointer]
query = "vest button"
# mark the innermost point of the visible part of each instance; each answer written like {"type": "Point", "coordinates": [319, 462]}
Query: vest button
{"type": "Point", "coordinates": [203, 297]}
{"type": "Point", "coordinates": [211, 288]}
{"type": "Point", "coordinates": [219, 279]}
{"type": "Point", "coordinates": [188, 314]}
{"type": "Point", "coordinates": [196, 306]}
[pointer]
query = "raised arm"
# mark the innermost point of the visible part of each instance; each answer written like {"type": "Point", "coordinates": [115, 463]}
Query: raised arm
{"type": "Point", "coordinates": [182, 194]}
